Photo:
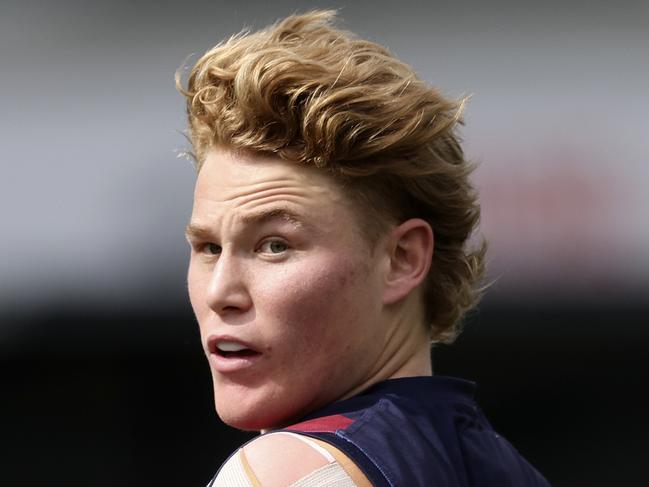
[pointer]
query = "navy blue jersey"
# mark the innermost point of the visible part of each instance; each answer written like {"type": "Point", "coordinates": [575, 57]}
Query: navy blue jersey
{"type": "Point", "coordinates": [421, 431]}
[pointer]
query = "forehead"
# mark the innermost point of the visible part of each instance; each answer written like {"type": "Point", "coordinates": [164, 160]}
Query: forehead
{"type": "Point", "coordinates": [227, 174]}
{"type": "Point", "coordinates": [236, 184]}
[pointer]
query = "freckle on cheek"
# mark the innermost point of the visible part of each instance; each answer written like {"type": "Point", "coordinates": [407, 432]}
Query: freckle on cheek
{"type": "Point", "coordinates": [347, 276]}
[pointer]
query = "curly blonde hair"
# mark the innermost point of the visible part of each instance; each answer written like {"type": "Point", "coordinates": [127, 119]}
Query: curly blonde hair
{"type": "Point", "coordinates": [310, 93]}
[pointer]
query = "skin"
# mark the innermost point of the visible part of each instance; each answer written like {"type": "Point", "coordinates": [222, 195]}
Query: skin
{"type": "Point", "coordinates": [329, 313]}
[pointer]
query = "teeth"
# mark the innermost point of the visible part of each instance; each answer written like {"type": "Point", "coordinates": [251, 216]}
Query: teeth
{"type": "Point", "coordinates": [230, 347]}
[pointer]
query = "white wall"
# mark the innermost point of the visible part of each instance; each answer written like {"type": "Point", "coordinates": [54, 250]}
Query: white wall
{"type": "Point", "coordinates": [93, 200]}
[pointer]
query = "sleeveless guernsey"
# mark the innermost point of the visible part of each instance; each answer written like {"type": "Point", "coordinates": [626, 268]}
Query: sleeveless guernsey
{"type": "Point", "coordinates": [420, 431]}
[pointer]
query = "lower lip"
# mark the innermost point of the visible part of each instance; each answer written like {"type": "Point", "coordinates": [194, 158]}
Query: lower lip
{"type": "Point", "coordinates": [233, 364]}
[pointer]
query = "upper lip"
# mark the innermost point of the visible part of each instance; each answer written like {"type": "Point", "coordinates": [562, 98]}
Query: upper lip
{"type": "Point", "coordinates": [214, 340]}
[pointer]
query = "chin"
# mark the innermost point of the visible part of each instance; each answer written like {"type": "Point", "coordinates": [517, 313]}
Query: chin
{"type": "Point", "coordinates": [242, 416]}
{"type": "Point", "coordinates": [254, 417]}
{"type": "Point", "coordinates": [247, 420]}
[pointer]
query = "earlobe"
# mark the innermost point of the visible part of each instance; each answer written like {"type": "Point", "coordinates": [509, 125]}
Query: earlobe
{"type": "Point", "coordinates": [411, 254]}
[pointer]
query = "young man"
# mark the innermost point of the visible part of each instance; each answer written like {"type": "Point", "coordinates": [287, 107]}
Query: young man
{"type": "Point", "coordinates": [329, 248]}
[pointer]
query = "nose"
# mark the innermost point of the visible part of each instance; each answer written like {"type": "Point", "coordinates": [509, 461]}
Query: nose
{"type": "Point", "coordinates": [228, 290]}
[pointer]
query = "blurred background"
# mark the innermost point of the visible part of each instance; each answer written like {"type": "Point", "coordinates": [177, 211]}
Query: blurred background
{"type": "Point", "coordinates": [103, 378]}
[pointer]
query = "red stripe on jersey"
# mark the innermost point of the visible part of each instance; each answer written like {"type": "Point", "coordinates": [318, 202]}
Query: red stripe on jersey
{"type": "Point", "coordinates": [326, 424]}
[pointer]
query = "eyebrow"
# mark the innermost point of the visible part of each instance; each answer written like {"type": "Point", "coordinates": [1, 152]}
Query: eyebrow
{"type": "Point", "coordinates": [194, 231]}
{"type": "Point", "coordinates": [265, 216]}
{"type": "Point", "coordinates": [198, 231]}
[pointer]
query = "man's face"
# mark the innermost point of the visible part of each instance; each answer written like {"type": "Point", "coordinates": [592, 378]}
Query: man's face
{"type": "Point", "coordinates": [286, 291]}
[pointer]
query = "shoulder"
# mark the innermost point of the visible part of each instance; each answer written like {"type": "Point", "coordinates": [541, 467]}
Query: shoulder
{"type": "Point", "coordinates": [283, 459]}
{"type": "Point", "coordinates": [280, 459]}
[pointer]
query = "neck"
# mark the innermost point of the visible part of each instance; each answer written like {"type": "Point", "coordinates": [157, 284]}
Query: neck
{"type": "Point", "coordinates": [406, 350]}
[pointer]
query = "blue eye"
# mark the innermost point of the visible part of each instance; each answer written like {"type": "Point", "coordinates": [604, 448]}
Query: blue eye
{"type": "Point", "coordinates": [273, 247]}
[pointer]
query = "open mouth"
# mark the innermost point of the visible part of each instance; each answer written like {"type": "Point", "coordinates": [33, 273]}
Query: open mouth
{"type": "Point", "coordinates": [239, 353]}
{"type": "Point", "coordinates": [233, 350]}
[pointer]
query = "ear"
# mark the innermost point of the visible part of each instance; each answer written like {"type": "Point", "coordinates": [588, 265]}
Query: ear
{"type": "Point", "coordinates": [411, 254]}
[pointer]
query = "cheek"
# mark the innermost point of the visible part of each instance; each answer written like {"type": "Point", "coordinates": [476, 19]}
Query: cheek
{"type": "Point", "coordinates": [314, 302]}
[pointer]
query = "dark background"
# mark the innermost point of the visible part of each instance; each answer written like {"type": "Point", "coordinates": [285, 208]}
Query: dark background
{"type": "Point", "coordinates": [103, 378]}
{"type": "Point", "coordinates": [125, 409]}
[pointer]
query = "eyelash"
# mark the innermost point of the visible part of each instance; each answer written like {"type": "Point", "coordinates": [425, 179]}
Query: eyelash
{"type": "Point", "coordinates": [204, 248]}
{"type": "Point", "coordinates": [273, 240]}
